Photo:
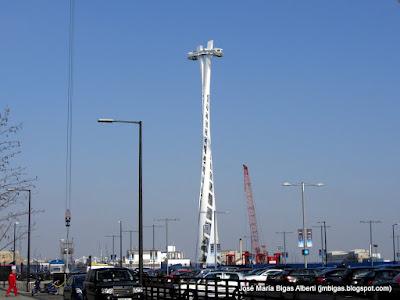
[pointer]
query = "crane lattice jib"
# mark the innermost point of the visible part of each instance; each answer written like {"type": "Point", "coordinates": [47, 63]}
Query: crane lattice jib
{"type": "Point", "coordinates": [255, 242]}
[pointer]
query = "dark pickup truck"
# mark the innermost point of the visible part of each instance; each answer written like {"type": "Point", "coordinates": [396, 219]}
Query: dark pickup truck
{"type": "Point", "coordinates": [111, 284]}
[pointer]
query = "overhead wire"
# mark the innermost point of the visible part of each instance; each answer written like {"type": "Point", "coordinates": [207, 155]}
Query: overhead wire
{"type": "Point", "coordinates": [70, 88]}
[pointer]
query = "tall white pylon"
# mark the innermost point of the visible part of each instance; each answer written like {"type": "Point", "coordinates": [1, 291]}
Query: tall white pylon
{"type": "Point", "coordinates": [207, 240]}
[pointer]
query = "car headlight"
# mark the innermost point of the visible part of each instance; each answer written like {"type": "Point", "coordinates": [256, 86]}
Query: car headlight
{"type": "Point", "coordinates": [78, 291]}
{"type": "Point", "coordinates": [137, 289]}
{"type": "Point", "coordinates": [107, 290]}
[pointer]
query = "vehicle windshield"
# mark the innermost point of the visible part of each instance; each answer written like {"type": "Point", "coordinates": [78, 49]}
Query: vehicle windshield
{"type": "Point", "coordinates": [114, 275]}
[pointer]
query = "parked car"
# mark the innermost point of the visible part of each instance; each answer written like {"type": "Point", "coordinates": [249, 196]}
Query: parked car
{"type": "Point", "coordinates": [377, 276]}
{"type": "Point", "coordinates": [74, 286]}
{"type": "Point", "coordinates": [330, 276]}
{"type": "Point", "coordinates": [293, 276]}
{"type": "Point", "coordinates": [261, 274]}
{"type": "Point", "coordinates": [181, 273]}
{"type": "Point", "coordinates": [277, 278]}
{"type": "Point", "coordinates": [394, 285]}
{"type": "Point", "coordinates": [353, 275]}
{"type": "Point", "coordinates": [111, 283]}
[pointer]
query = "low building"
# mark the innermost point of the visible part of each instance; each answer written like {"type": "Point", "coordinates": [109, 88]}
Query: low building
{"type": "Point", "coordinates": [154, 258]}
{"type": "Point", "coordinates": [352, 256]}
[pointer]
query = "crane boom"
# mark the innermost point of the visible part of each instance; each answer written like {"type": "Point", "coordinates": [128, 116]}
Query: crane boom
{"type": "Point", "coordinates": [255, 242]}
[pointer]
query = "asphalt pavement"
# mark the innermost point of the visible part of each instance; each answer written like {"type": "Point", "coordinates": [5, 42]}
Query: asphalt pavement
{"type": "Point", "coordinates": [25, 296]}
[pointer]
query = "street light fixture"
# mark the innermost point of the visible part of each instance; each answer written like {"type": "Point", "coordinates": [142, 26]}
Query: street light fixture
{"type": "Point", "coordinates": [28, 268]}
{"type": "Point", "coordinates": [140, 190]}
{"type": "Point", "coordinates": [370, 222]}
{"type": "Point", "coordinates": [303, 185]}
{"type": "Point", "coordinates": [394, 245]}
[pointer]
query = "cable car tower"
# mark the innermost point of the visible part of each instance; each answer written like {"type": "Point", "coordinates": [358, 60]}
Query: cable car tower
{"type": "Point", "coordinates": [207, 239]}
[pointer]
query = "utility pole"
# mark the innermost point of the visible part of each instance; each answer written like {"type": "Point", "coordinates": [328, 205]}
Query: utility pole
{"type": "Point", "coordinates": [284, 233]}
{"type": "Point", "coordinates": [302, 185]}
{"type": "Point", "coordinates": [15, 229]}
{"type": "Point", "coordinates": [120, 243]}
{"type": "Point", "coordinates": [28, 267]}
{"type": "Point", "coordinates": [321, 227]}
{"type": "Point", "coordinates": [324, 249]}
{"type": "Point", "coordinates": [370, 222]}
{"type": "Point", "coordinates": [153, 256]}
{"type": "Point", "coordinates": [167, 220]}
{"type": "Point", "coordinates": [394, 245]}
{"type": "Point", "coordinates": [398, 245]}
{"type": "Point", "coordinates": [154, 226]}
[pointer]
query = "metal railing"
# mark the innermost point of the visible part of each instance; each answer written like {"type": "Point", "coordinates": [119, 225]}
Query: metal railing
{"type": "Point", "coordinates": [202, 288]}
{"type": "Point", "coordinates": [193, 288]}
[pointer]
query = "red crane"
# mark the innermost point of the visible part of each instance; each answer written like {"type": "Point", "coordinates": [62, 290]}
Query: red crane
{"type": "Point", "coordinates": [255, 241]}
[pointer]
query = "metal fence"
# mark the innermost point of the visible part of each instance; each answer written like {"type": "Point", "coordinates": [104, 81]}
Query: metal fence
{"type": "Point", "coordinates": [193, 288]}
{"type": "Point", "coordinates": [201, 288]}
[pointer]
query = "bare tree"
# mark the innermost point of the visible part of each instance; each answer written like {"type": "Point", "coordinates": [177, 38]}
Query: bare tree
{"type": "Point", "coordinates": [13, 178]}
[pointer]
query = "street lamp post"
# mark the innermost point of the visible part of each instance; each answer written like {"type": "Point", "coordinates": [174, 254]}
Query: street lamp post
{"type": "Point", "coordinates": [394, 244]}
{"type": "Point", "coordinates": [321, 227]}
{"type": "Point", "coordinates": [130, 237]}
{"type": "Point", "coordinates": [140, 123]}
{"type": "Point", "coordinates": [120, 243]}
{"type": "Point", "coordinates": [303, 185]}
{"type": "Point", "coordinates": [324, 245]}
{"type": "Point", "coordinates": [154, 226]}
{"type": "Point", "coordinates": [370, 222]}
{"type": "Point", "coordinates": [166, 220]}
{"type": "Point", "coordinates": [113, 244]}
{"type": "Point", "coordinates": [284, 233]}
{"type": "Point", "coordinates": [28, 268]}
{"type": "Point", "coordinates": [398, 246]}
{"type": "Point", "coordinates": [15, 228]}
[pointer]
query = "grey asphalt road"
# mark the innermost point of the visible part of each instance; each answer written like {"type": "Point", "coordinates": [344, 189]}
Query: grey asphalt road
{"type": "Point", "coordinates": [24, 296]}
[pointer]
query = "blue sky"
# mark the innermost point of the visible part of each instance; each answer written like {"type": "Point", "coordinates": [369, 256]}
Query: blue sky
{"type": "Point", "coordinates": [307, 90]}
